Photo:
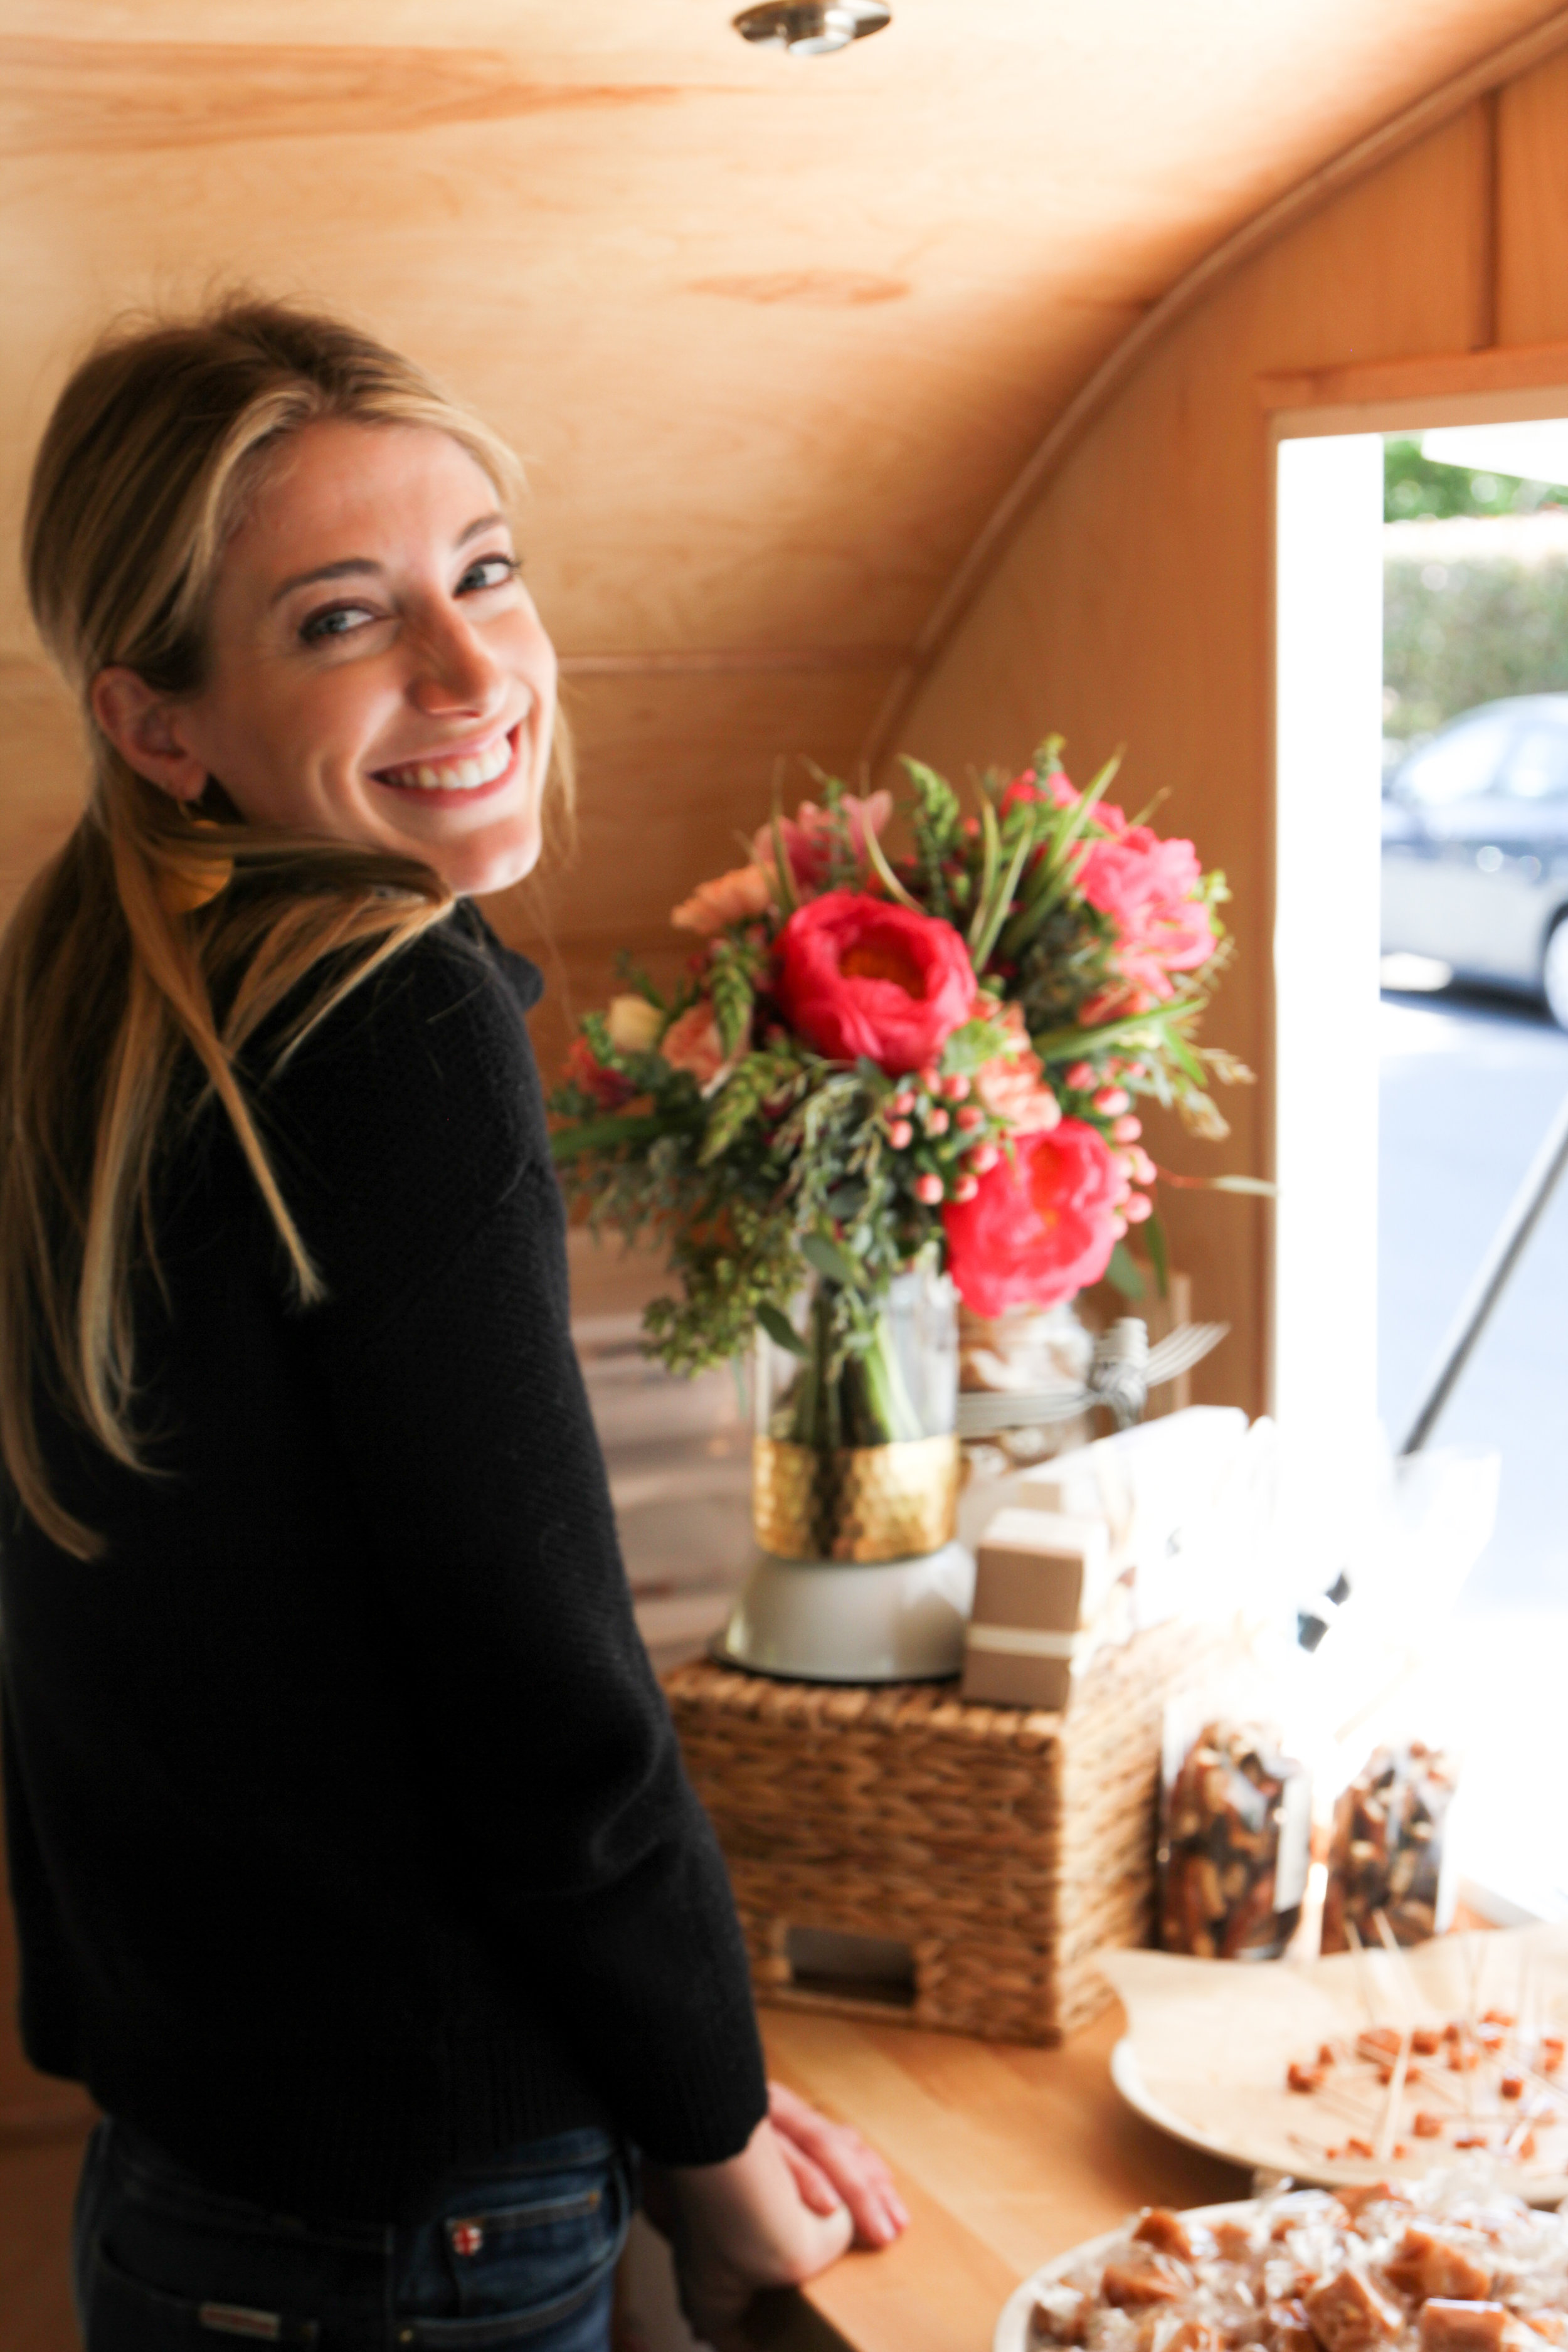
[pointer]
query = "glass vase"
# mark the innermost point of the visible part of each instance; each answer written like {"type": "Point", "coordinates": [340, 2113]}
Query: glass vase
{"type": "Point", "coordinates": [856, 1457]}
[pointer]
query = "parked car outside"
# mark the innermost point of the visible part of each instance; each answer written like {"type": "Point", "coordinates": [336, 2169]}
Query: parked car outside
{"type": "Point", "coordinates": [1475, 848]}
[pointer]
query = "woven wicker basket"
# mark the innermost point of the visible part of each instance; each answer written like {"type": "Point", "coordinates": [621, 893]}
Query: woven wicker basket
{"type": "Point", "coordinates": [1004, 1848]}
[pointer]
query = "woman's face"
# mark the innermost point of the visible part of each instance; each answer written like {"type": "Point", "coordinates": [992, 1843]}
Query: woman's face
{"type": "Point", "coordinates": [377, 672]}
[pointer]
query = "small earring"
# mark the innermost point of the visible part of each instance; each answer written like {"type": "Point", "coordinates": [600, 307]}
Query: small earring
{"type": "Point", "coordinates": [188, 883]}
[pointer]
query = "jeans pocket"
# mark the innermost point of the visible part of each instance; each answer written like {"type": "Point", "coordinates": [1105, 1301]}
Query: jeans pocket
{"type": "Point", "coordinates": [124, 2314]}
{"type": "Point", "coordinates": [528, 2252]}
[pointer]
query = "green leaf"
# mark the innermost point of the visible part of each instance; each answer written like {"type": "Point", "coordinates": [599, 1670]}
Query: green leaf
{"type": "Point", "coordinates": [785, 880]}
{"type": "Point", "coordinates": [1076, 1043]}
{"type": "Point", "coordinates": [1058, 872]}
{"type": "Point", "coordinates": [1122, 1274]}
{"type": "Point", "coordinates": [741, 1095]}
{"type": "Point", "coordinates": [938, 801]}
{"type": "Point", "coordinates": [1159, 1256]}
{"type": "Point", "coordinates": [606, 1134]}
{"type": "Point", "coordinates": [980, 954]}
{"type": "Point", "coordinates": [732, 1001]}
{"type": "Point", "coordinates": [779, 1330]}
{"type": "Point", "coordinates": [891, 882]}
{"type": "Point", "coordinates": [831, 1260]}
{"type": "Point", "coordinates": [991, 835]}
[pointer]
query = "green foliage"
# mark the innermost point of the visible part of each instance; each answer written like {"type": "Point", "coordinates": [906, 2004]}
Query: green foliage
{"type": "Point", "coordinates": [1413, 486]}
{"type": "Point", "coordinates": [936, 820]}
{"type": "Point", "coordinates": [1123, 1276]}
{"type": "Point", "coordinates": [734, 968]}
{"type": "Point", "coordinates": [1455, 633]}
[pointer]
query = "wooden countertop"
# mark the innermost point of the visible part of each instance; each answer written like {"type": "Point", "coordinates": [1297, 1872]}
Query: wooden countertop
{"type": "Point", "coordinates": [1005, 2156]}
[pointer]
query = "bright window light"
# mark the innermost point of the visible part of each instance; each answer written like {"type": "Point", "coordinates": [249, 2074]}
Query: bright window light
{"type": "Point", "coordinates": [1328, 715]}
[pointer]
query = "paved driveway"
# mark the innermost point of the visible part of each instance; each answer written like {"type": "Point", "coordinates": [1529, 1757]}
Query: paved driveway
{"type": "Point", "coordinates": [1468, 1088]}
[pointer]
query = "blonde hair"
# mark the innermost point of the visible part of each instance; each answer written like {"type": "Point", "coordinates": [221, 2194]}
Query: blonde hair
{"type": "Point", "coordinates": [114, 968]}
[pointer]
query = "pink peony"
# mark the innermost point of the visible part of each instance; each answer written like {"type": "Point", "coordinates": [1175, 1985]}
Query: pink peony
{"type": "Point", "coordinates": [808, 835]}
{"type": "Point", "coordinates": [693, 1044]}
{"type": "Point", "coordinates": [1148, 887]}
{"type": "Point", "coordinates": [1041, 1225]}
{"type": "Point", "coordinates": [1013, 1086]}
{"type": "Point", "coordinates": [731, 898]}
{"type": "Point", "coordinates": [859, 975]}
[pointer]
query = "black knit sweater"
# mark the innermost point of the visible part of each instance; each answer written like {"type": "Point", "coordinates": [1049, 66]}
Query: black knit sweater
{"type": "Point", "coordinates": [348, 1833]}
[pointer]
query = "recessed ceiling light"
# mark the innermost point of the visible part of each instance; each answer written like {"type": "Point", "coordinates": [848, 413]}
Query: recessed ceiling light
{"type": "Point", "coordinates": [812, 29]}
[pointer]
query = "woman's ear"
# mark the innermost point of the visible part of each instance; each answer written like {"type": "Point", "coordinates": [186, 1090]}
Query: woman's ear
{"type": "Point", "coordinates": [146, 730]}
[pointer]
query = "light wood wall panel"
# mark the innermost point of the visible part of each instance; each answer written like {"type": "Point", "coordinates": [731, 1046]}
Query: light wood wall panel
{"type": "Point", "coordinates": [1532, 207]}
{"type": "Point", "coordinates": [1133, 608]}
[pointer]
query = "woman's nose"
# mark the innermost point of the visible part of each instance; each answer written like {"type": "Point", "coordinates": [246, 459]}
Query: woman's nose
{"type": "Point", "coordinates": [455, 670]}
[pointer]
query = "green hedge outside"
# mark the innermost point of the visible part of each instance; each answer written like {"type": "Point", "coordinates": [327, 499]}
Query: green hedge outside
{"type": "Point", "coordinates": [1457, 633]}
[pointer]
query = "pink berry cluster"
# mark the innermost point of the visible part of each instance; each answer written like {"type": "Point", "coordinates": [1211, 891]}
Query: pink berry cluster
{"type": "Point", "coordinates": [935, 1116]}
{"type": "Point", "coordinates": [1110, 1105]}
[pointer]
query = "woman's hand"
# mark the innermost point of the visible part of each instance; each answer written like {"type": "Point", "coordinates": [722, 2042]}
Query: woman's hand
{"type": "Point", "coordinates": [833, 2165]}
{"type": "Point", "coordinates": [783, 2209]}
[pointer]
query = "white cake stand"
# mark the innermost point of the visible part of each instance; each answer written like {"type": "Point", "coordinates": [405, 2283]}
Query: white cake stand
{"type": "Point", "coordinates": [893, 1621]}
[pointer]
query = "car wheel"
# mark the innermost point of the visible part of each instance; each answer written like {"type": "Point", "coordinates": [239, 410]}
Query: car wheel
{"type": "Point", "coordinates": [1554, 972]}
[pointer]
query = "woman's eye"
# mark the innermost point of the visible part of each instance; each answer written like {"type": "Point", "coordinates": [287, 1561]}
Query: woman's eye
{"type": "Point", "coordinates": [489, 572]}
{"type": "Point", "coordinates": [335, 621]}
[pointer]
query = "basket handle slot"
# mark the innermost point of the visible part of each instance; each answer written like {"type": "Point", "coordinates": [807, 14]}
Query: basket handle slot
{"type": "Point", "coordinates": [843, 1966]}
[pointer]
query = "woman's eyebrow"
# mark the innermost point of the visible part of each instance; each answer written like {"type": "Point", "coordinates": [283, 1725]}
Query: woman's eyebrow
{"type": "Point", "coordinates": [348, 565]}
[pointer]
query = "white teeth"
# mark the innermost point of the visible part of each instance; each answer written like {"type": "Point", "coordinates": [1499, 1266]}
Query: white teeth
{"type": "Point", "coordinates": [457, 775]}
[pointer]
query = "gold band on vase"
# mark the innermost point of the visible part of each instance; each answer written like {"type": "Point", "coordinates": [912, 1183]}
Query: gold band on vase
{"type": "Point", "coordinates": [861, 1503]}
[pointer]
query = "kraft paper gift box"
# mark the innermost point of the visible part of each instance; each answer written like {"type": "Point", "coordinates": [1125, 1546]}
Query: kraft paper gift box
{"type": "Point", "coordinates": [1046, 1590]}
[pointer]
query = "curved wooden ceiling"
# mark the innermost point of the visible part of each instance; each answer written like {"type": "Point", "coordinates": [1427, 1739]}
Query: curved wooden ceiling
{"type": "Point", "coordinates": [775, 336]}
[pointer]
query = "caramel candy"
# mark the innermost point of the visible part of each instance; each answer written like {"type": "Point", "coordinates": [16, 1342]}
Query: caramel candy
{"type": "Point", "coordinates": [1129, 2286]}
{"type": "Point", "coordinates": [1193, 2335]}
{"type": "Point", "coordinates": [1348, 2313]}
{"type": "Point", "coordinates": [1233, 1858]}
{"type": "Point", "coordinates": [1166, 2231]}
{"type": "Point", "coordinates": [1463, 2327]}
{"type": "Point", "coordinates": [1371, 2192]}
{"type": "Point", "coordinates": [1060, 2315]}
{"type": "Point", "coordinates": [1424, 2265]}
{"type": "Point", "coordinates": [1288, 2328]}
{"type": "Point", "coordinates": [1387, 1850]}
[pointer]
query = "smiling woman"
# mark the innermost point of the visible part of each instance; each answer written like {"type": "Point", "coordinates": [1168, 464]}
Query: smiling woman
{"type": "Point", "coordinates": [399, 693]}
{"type": "Point", "coordinates": [356, 1872]}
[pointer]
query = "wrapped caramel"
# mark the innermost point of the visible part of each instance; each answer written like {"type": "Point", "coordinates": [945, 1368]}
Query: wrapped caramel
{"type": "Point", "coordinates": [1234, 1850]}
{"type": "Point", "coordinates": [1387, 1850]}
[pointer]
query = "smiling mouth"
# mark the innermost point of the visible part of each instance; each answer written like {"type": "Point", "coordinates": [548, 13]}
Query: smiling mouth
{"type": "Point", "coordinates": [467, 778]}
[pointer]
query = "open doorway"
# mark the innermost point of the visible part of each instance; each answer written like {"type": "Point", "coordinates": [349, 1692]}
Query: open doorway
{"type": "Point", "coordinates": [1422, 898]}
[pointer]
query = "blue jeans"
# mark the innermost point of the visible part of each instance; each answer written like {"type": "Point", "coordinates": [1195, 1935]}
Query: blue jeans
{"type": "Point", "coordinates": [519, 2253]}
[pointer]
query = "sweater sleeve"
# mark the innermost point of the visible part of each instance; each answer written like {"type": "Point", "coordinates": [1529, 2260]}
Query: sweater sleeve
{"type": "Point", "coordinates": [412, 1142]}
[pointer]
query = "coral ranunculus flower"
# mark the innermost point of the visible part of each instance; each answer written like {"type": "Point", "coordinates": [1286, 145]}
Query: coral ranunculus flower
{"type": "Point", "coordinates": [1148, 887]}
{"type": "Point", "coordinates": [1014, 1085]}
{"type": "Point", "coordinates": [1041, 1226]}
{"type": "Point", "coordinates": [693, 1044]}
{"type": "Point", "coordinates": [728, 898]}
{"type": "Point", "coordinates": [861, 975]}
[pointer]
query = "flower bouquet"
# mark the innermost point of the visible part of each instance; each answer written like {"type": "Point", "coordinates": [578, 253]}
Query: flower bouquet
{"type": "Point", "coordinates": [884, 1064]}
